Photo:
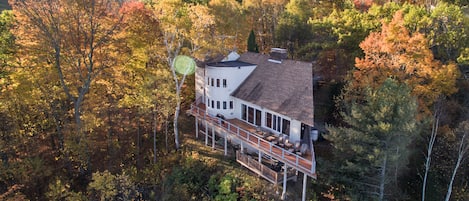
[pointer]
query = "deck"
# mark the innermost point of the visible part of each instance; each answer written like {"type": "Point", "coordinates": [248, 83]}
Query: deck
{"type": "Point", "coordinates": [247, 135]}
{"type": "Point", "coordinates": [263, 170]}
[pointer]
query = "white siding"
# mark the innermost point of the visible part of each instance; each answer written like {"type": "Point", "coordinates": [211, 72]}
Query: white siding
{"type": "Point", "coordinates": [234, 76]}
{"type": "Point", "coordinates": [199, 84]}
{"type": "Point", "coordinates": [295, 130]}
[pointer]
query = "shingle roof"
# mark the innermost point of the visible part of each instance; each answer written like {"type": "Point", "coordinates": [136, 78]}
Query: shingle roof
{"type": "Point", "coordinates": [230, 64]}
{"type": "Point", "coordinates": [286, 88]}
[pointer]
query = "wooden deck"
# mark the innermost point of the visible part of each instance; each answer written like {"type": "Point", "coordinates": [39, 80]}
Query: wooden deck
{"type": "Point", "coordinates": [247, 134]}
{"type": "Point", "coordinates": [263, 170]}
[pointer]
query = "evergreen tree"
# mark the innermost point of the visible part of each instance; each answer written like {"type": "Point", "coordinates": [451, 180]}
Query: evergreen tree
{"type": "Point", "coordinates": [252, 45]}
{"type": "Point", "coordinates": [370, 150]}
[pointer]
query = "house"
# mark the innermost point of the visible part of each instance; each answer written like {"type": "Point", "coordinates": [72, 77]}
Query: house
{"type": "Point", "coordinates": [264, 104]}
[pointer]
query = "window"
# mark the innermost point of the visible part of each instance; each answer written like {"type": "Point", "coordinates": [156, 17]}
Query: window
{"type": "Point", "coordinates": [218, 82]}
{"type": "Point", "coordinates": [208, 80]}
{"type": "Point", "coordinates": [268, 120]}
{"type": "Point", "coordinates": [212, 82]}
{"type": "Point", "coordinates": [224, 105]}
{"type": "Point", "coordinates": [258, 118]}
{"type": "Point", "coordinates": [251, 115]}
{"type": "Point", "coordinates": [218, 104]}
{"type": "Point", "coordinates": [286, 127]}
{"type": "Point", "coordinates": [224, 83]}
{"type": "Point", "coordinates": [231, 104]}
{"type": "Point", "coordinates": [213, 105]}
{"type": "Point", "coordinates": [277, 123]}
{"type": "Point", "coordinates": [208, 102]}
{"type": "Point", "coordinates": [243, 112]}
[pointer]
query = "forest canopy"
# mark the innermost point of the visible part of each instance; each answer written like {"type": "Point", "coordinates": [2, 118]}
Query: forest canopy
{"type": "Point", "coordinates": [90, 101]}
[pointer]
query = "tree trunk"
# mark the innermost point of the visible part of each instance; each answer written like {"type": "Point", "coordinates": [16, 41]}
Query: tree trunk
{"type": "Point", "coordinates": [175, 122]}
{"type": "Point", "coordinates": [154, 136]}
{"type": "Point", "coordinates": [166, 133]}
{"type": "Point", "coordinates": [435, 126]}
{"type": "Point", "coordinates": [383, 178]}
{"type": "Point", "coordinates": [461, 152]}
{"type": "Point", "coordinates": [138, 143]}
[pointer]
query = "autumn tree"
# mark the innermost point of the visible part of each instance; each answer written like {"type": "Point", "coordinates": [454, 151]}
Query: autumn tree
{"type": "Point", "coordinates": [186, 30]}
{"type": "Point", "coordinates": [396, 53]}
{"type": "Point", "coordinates": [263, 17]}
{"type": "Point", "coordinates": [230, 25]}
{"type": "Point", "coordinates": [371, 148]}
{"type": "Point", "coordinates": [75, 38]}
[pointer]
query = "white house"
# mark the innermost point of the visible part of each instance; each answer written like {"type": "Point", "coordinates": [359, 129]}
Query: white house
{"type": "Point", "coordinates": [268, 93]}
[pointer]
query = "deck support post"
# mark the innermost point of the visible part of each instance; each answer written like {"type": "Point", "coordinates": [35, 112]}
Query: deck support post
{"type": "Point", "coordinates": [242, 147]}
{"type": "Point", "coordinates": [196, 128]}
{"type": "Point", "coordinates": [305, 178]}
{"type": "Point", "coordinates": [260, 157]}
{"type": "Point", "coordinates": [226, 144]}
{"type": "Point", "coordinates": [206, 133]}
{"type": "Point", "coordinates": [213, 137]}
{"type": "Point", "coordinates": [284, 190]}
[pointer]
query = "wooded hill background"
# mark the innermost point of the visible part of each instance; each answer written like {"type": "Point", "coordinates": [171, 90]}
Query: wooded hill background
{"type": "Point", "coordinates": [89, 102]}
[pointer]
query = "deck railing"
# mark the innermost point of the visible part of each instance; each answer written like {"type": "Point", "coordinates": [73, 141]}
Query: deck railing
{"type": "Point", "coordinates": [291, 159]}
{"type": "Point", "coordinates": [255, 165]}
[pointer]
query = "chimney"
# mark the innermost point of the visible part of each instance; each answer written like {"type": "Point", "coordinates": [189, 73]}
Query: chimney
{"type": "Point", "coordinates": [277, 55]}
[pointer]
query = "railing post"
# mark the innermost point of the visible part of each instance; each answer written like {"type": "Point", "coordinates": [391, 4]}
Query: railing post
{"type": "Point", "coordinates": [206, 132]}
{"type": "Point", "coordinates": [213, 137]}
{"type": "Point", "coordinates": [260, 156]}
{"type": "Point", "coordinates": [305, 178]}
{"type": "Point", "coordinates": [226, 144]}
{"type": "Point", "coordinates": [196, 127]}
{"type": "Point", "coordinates": [284, 182]}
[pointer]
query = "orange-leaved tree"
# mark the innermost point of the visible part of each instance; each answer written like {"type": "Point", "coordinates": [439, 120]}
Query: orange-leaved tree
{"type": "Point", "coordinates": [405, 57]}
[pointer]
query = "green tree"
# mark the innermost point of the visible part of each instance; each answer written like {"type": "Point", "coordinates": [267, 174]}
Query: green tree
{"type": "Point", "coordinates": [449, 33]}
{"type": "Point", "coordinates": [371, 149]}
{"type": "Point", "coordinates": [7, 45]}
{"type": "Point", "coordinates": [252, 45]}
{"type": "Point", "coordinates": [107, 186]}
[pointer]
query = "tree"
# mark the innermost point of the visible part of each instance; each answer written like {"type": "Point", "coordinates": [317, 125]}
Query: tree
{"type": "Point", "coordinates": [448, 34]}
{"type": "Point", "coordinates": [462, 131]}
{"type": "Point", "coordinates": [186, 29]}
{"type": "Point", "coordinates": [7, 45]}
{"type": "Point", "coordinates": [395, 53]}
{"type": "Point", "coordinates": [263, 17]}
{"type": "Point", "coordinates": [230, 25]}
{"type": "Point", "coordinates": [252, 45]}
{"type": "Point", "coordinates": [371, 148]}
{"type": "Point", "coordinates": [75, 38]}
{"type": "Point", "coordinates": [293, 28]}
